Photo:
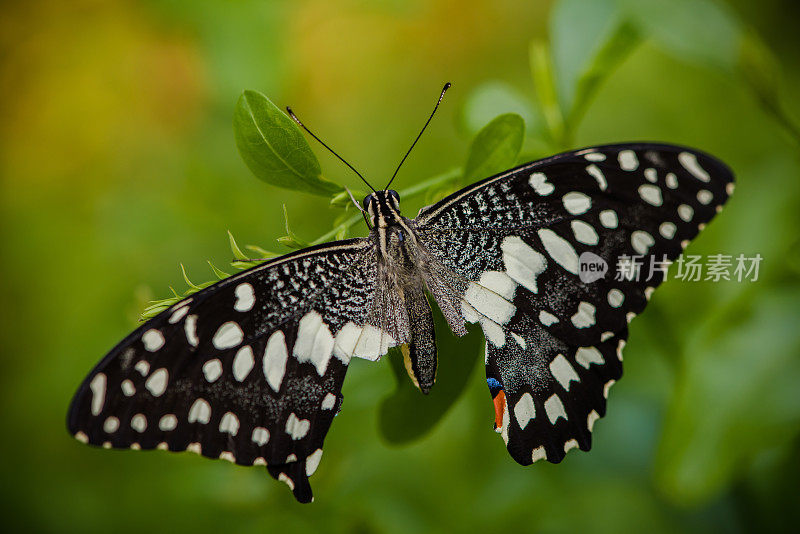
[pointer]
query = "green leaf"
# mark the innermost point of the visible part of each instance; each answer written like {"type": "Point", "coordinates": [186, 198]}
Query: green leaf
{"type": "Point", "coordinates": [589, 39]}
{"type": "Point", "coordinates": [290, 239]}
{"type": "Point", "coordinates": [218, 273]}
{"type": "Point", "coordinates": [495, 148]}
{"type": "Point", "coordinates": [262, 253]}
{"type": "Point", "coordinates": [493, 98]}
{"type": "Point", "coordinates": [545, 84]}
{"type": "Point", "coordinates": [342, 198]}
{"type": "Point", "coordinates": [274, 149]}
{"type": "Point", "coordinates": [736, 396]}
{"type": "Point", "coordinates": [186, 279]}
{"type": "Point", "coordinates": [700, 31]}
{"type": "Point", "coordinates": [760, 69]}
{"type": "Point", "coordinates": [407, 414]}
{"type": "Point", "coordinates": [237, 252]}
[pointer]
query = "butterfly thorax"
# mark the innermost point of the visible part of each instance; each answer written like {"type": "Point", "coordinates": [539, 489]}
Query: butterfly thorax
{"type": "Point", "coordinates": [405, 311]}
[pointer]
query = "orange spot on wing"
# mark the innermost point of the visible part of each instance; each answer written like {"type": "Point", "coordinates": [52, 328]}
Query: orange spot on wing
{"type": "Point", "coordinates": [499, 408]}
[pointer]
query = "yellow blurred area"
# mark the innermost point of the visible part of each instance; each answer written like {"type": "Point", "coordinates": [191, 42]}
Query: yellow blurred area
{"type": "Point", "coordinates": [88, 81]}
{"type": "Point", "coordinates": [334, 46]}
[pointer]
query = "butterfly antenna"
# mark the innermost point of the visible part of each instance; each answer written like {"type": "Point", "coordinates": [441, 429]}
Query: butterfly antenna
{"type": "Point", "coordinates": [441, 96]}
{"type": "Point", "coordinates": [309, 132]}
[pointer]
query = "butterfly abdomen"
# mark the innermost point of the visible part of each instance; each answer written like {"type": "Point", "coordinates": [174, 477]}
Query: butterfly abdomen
{"type": "Point", "coordinates": [420, 355]}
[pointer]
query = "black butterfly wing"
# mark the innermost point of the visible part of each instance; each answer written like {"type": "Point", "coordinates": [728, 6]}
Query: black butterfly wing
{"type": "Point", "coordinates": [249, 369]}
{"type": "Point", "coordinates": [554, 341]}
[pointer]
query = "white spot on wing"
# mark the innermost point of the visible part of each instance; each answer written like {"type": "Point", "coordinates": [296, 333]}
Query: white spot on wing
{"type": "Point", "coordinates": [651, 175]}
{"type": "Point", "coordinates": [607, 387]}
{"type": "Point", "coordinates": [229, 424]}
{"type": "Point", "coordinates": [570, 444]}
{"type": "Point", "coordinates": [139, 423]}
{"type": "Point", "coordinates": [297, 428]}
{"type": "Point", "coordinates": [519, 339]}
{"type": "Point", "coordinates": [168, 422]}
{"type": "Point", "coordinates": [563, 371]}
{"type": "Point", "coordinates": [328, 402]}
{"type": "Point", "coordinates": [576, 203]}
{"type": "Point", "coordinates": [314, 342]}
{"type": "Point", "coordinates": [157, 383]}
{"type": "Point", "coordinates": [588, 355]}
{"type": "Point", "coordinates": [615, 298]}
{"type": "Point", "coordinates": [554, 408]}
{"type": "Point", "coordinates": [584, 317]}
{"type": "Point", "coordinates": [153, 340]}
{"type": "Point", "coordinates": [523, 264]}
{"type": "Point", "coordinates": [260, 436]}
{"type": "Point", "coordinates": [212, 370]}
{"type": "Point", "coordinates": [608, 218]}
{"type": "Point", "coordinates": [245, 297]}
{"type": "Point", "coordinates": [628, 160]}
{"type": "Point", "coordinates": [584, 233]}
{"type": "Point", "coordinates": [344, 344]}
{"type": "Point", "coordinates": [488, 302]}
{"type": "Point", "coordinates": [547, 318]}
{"type": "Point", "coordinates": [524, 410]}
{"type": "Point", "coordinates": [641, 241]}
{"type": "Point", "coordinates": [243, 363]}
{"type": "Point", "coordinates": [283, 477]}
{"type": "Point", "coordinates": [559, 249]}
{"type": "Point", "coordinates": [539, 183]}
{"type": "Point", "coordinates": [98, 387]}
{"type": "Point", "coordinates": [685, 212]}
{"type": "Point", "coordinates": [651, 194]}
{"type": "Point", "coordinates": [110, 425]}
{"type": "Point", "coordinates": [591, 418]}
{"type": "Point", "coordinates": [275, 358]}
{"type": "Point", "coordinates": [704, 196]}
{"type": "Point", "coordinates": [228, 335]}
{"type": "Point", "coordinates": [200, 412]}
{"type": "Point", "coordinates": [667, 229]}
{"type": "Point", "coordinates": [178, 314]}
{"type": "Point", "coordinates": [538, 454]}
{"type": "Point", "coordinates": [671, 180]}
{"type": "Point", "coordinates": [598, 175]}
{"type": "Point", "coordinates": [372, 343]}
{"type": "Point", "coordinates": [620, 346]}
{"type": "Point", "coordinates": [690, 163]}
{"type": "Point", "coordinates": [594, 156]}
{"type": "Point", "coordinates": [143, 367]}
{"type": "Point", "coordinates": [190, 327]}
{"type": "Point", "coordinates": [312, 462]}
{"type": "Point", "coordinates": [128, 389]}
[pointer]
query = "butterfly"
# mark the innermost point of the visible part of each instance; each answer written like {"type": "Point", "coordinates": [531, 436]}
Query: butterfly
{"type": "Point", "coordinates": [250, 369]}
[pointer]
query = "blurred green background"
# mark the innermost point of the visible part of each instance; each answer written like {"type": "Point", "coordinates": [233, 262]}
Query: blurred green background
{"type": "Point", "coordinates": [118, 161]}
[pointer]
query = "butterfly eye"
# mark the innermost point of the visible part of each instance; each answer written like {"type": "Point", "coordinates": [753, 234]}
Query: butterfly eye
{"type": "Point", "coordinates": [394, 197]}
{"type": "Point", "coordinates": [367, 202]}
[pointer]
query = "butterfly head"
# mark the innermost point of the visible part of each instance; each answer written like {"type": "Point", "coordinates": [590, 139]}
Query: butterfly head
{"type": "Point", "coordinates": [383, 207]}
